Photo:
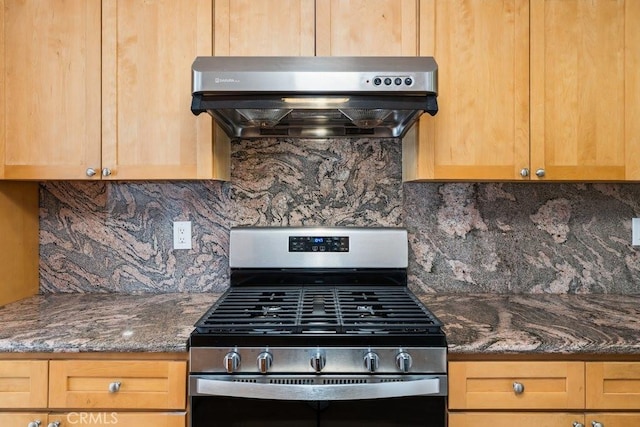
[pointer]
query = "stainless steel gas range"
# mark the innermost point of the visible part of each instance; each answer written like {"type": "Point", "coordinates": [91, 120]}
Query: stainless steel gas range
{"type": "Point", "coordinates": [318, 328]}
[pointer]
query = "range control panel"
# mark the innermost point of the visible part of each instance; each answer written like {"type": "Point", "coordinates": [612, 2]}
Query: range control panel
{"type": "Point", "coordinates": [318, 244]}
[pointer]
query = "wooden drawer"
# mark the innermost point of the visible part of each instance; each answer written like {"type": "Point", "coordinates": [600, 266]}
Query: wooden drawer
{"type": "Point", "coordinates": [613, 385]}
{"type": "Point", "coordinates": [22, 419]}
{"type": "Point", "coordinates": [143, 384]}
{"type": "Point", "coordinates": [613, 419]}
{"type": "Point", "coordinates": [23, 383]}
{"type": "Point", "coordinates": [120, 419]}
{"type": "Point", "coordinates": [490, 385]}
{"type": "Point", "coordinates": [511, 419]}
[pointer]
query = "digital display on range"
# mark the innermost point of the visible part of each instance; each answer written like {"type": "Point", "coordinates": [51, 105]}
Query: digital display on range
{"type": "Point", "coordinates": [318, 244]}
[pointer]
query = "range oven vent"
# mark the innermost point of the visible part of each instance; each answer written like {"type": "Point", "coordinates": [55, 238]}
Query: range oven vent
{"type": "Point", "coordinates": [346, 381]}
{"type": "Point", "coordinates": [289, 381]}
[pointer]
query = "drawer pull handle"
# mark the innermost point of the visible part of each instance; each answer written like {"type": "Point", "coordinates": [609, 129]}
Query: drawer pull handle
{"type": "Point", "coordinates": [577, 424]}
{"type": "Point", "coordinates": [54, 424]}
{"type": "Point", "coordinates": [35, 423]}
{"type": "Point", "coordinates": [597, 424]}
{"type": "Point", "coordinates": [114, 387]}
{"type": "Point", "coordinates": [518, 388]}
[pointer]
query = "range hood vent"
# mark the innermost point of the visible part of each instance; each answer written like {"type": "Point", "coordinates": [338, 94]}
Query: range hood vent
{"type": "Point", "coordinates": [314, 97]}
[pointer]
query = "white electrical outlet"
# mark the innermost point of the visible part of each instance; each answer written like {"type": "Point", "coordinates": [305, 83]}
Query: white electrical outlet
{"type": "Point", "coordinates": [635, 232]}
{"type": "Point", "coordinates": [181, 234]}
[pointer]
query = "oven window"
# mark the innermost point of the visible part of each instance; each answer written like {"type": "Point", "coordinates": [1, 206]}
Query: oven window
{"type": "Point", "coordinates": [240, 412]}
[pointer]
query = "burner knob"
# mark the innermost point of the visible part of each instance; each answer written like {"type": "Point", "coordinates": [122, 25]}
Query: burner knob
{"type": "Point", "coordinates": [318, 360]}
{"type": "Point", "coordinates": [232, 361]}
{"type": "Point", "coordinates": [264, 362]}
{"type": "Point", "coordinates": [371, 361]}
{"type": "Point", "coordinates": [403, 361]}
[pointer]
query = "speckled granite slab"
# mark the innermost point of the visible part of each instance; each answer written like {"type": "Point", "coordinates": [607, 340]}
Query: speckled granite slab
{"type": "Point", "coordinates": [101, 322]}
{"type": "Point", "coordinates": [539, 323]}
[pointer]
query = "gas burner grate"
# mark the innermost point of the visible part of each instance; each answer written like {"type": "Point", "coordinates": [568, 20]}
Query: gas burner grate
{"type": "Point", "coordinates": [319, 310]}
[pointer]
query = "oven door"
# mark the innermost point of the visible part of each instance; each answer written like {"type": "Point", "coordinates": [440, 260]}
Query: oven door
{"type": "Point", "coordinates": [297, 402]}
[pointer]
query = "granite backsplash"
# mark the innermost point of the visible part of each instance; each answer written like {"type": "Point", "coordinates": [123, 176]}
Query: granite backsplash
{"type": "Point", "coordinates": [464, 237]}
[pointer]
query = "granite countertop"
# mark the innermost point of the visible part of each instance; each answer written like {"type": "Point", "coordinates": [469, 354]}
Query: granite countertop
{"type": "Point", "coordinates": [539, 323]}
{"type": "Point", "coordinates": [474, 323]}
{"type": "Point", "coordinates": [101, 322]}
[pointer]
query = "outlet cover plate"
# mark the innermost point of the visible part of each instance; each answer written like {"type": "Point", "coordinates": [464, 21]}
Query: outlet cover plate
{"type": "Point", "coordinates": [635, 232]}
{"type": "Point", "coordinates": [181, 234]}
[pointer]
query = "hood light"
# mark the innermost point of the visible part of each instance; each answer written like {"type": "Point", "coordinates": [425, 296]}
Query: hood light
{"type": "Point", "coordinates": [316, 102]}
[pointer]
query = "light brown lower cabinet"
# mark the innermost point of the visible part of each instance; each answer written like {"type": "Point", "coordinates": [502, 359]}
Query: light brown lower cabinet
{"type": "Point", "coordinates": [544, 394]}
{"type": "Point", "coordinates": [513, 419]}
{"type": "Point", "coordinates": [117, 384]}
{"type": "Point", "coordinates": [23, 384]}
{"type": "Point", "coordinates": [93, 392]}
{"type": "Point", "coordinates": [93, 419]}
{"type": "Point", "coordinates": [612, 419]}
{"type": "Point", "coordinates": [23, 419]}
{"type": "Point", "coordinates": [492, 385]}
{"type": "Point", "coordinates": [544, 419]}
{"type": "Point", "coordinates": [119, 419]}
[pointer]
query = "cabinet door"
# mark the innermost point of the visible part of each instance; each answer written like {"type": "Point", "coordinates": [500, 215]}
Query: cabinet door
{"type": "Point", "coordinates": [264, 28]}
{"type": "Point", "coordinates": [366, 27]}
{"type": "Point", "coordinates": [50, 88]}
{"type": "Point", "coordinates": [148, 130]}
{"type": "Point", "coordinates": [121, 419]}
{"type": "Point", "coordinates": [11, 419]}
{"type": "Point", "coordinates": [613, 385]}
{"type": "Point", "coordinates": [481, 130]}
{"type": "Point", "coordinates": [23, 384]}
{"type": "Point", "coordinates": [612, 420]}
{"type": "Point", "coordinates": [117, 384]}
{"type": "Point", "coordinates": [520, 419]}
{"type": "Point", "coordinates": [492, 385]}
{"type": "Point", "coordinates": [585, 93]}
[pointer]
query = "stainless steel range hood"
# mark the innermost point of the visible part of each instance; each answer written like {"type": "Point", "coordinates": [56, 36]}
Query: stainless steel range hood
{"type": "Point", "coordinates": [314, 97]}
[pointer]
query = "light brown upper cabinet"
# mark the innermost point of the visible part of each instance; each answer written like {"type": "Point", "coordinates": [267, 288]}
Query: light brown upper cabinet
{"type": "Point", "coordinates": [50, 70]}
{"type": "Point", "coordinates": [316, 27]}
{"type": "Point", "coordinates": [530, 90]}
{"type": "Point", "coordinates": [264, 28]}
{"type": "Point", "coordinates": [148, 130]}
{"type": "Point", "coordinates": [481, 130]}
{"type": "Point", "coordinates": [585, 89]}
{"type": "Point", "coordinates": [366, 27]}
{"type": "Point", "coordinates": [101, 89]}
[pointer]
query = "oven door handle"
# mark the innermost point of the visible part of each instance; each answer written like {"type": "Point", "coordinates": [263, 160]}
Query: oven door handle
{"type": "Point", "coordinates": [421, 387]}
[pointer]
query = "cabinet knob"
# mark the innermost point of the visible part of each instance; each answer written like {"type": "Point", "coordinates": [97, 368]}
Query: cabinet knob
{"type": "Point", "coordinates": [90, 172]}
{"type": "Point", "coordinates": [35, 423]}
{"type": "Point", "coordinates": [518, 388]}
{"type": "Point", "coordinates": [524, 172]}
{"type": "Point", "coordinates": [577, 424]}
{"type": "Point", "coordinates": [54, 424]}
{"type": "Point", "coordinates": [597, 424]}
{"type": "Point", "coordinates": [540, 173]}
{"type": "Point", "coordinates": [114, 387]}
{"type": "Point", "coordinates": [106, 172]}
